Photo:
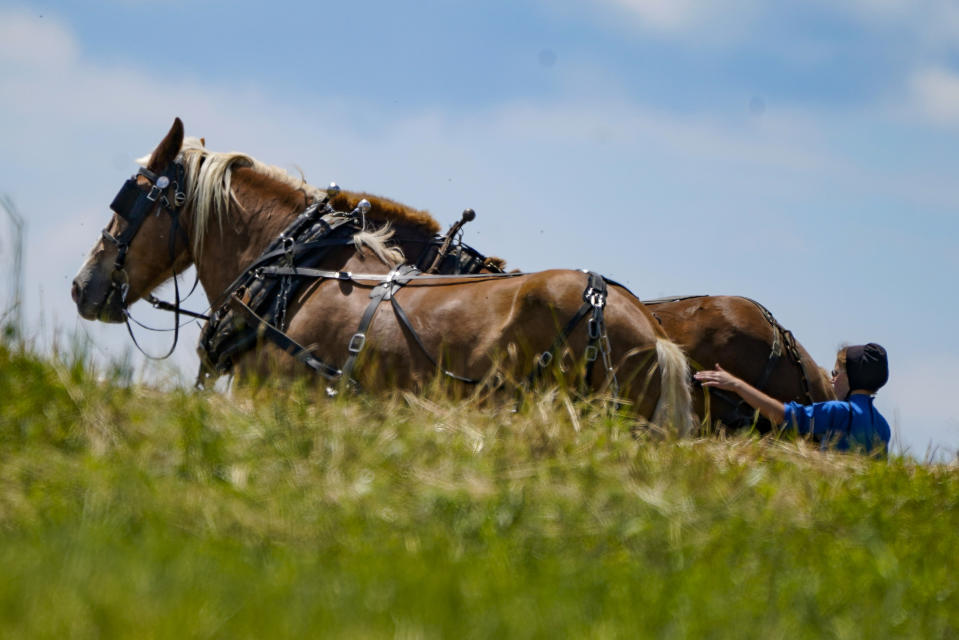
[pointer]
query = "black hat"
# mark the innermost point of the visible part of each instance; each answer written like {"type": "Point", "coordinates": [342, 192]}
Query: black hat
{"type": "Point", "coordinates": [867, 366]}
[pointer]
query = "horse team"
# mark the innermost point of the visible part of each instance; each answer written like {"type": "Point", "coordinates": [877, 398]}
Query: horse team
{"type": "Point", "coordinates": [344, 304]}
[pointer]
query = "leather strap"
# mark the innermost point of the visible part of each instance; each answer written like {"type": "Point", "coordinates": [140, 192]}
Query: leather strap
{"type": "Point", "coordinates": [394, 280]}
{"type": "Point", "coordinates": [405, 321]}
{"type": "Point", "coordinates": [287, 343]}
{"type": "Point", "coordinates": [594, 299]}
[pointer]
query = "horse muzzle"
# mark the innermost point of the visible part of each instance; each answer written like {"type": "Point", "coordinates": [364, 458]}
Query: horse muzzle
{"type": "Point", "coordinates": [101, 299]}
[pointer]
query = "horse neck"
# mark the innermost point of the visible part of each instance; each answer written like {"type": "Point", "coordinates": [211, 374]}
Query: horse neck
{"type": "Point", "coordinates": [254, 219]}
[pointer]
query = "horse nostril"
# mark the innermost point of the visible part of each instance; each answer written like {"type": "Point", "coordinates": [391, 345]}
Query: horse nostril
{"type": "Point", "coordinates": [75, 291]}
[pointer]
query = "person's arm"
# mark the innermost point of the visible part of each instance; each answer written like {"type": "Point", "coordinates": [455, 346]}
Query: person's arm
{"type": "Point", "coordinates": [773, 409]}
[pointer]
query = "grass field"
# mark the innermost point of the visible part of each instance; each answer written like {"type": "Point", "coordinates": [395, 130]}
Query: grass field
{"type": "Point", "coordinates": [130, 512]}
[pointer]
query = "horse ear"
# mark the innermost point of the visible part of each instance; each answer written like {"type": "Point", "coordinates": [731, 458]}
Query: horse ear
{"type": "Point", "coordinates": [203, 142]}
{"type": "Point", "coordinates": [168, 148]}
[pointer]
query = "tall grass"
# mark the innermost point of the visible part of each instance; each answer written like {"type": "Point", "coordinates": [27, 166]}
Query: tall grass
{"type": "Point", "coordinates": [127, 512]}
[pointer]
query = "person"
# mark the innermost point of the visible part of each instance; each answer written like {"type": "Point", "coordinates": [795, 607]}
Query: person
{"type": "Point", "coordinates": [851, 423]}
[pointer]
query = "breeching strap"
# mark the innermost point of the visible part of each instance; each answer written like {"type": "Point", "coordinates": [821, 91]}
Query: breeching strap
{"type": "Point", "coordinates": [594, 300]}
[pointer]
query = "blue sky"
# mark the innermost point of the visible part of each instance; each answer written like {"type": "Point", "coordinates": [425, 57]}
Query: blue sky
{"type": "Point", "coordinates": [799, 153]}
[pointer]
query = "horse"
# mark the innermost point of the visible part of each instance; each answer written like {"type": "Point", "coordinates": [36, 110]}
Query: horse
{"type": "Point", "coordinates": [743, 337]}
{"type": "Point", "coordinates": [296, 276]}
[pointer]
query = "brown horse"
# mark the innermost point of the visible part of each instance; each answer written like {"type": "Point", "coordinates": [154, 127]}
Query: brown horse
{"type": "Point", "coordinates": [341, 304]}
{"type": "Point", "coordinates": [744, 338]}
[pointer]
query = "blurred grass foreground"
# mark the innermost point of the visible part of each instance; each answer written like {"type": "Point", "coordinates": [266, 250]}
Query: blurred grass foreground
{"type": "Point", "coordinates": [130, 512]}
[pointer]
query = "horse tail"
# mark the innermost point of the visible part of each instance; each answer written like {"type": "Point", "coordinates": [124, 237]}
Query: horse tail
{"type": "Point", "coordinates": [675, 401]}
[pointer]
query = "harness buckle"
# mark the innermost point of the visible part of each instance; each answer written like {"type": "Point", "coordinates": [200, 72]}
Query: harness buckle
{"type": "Point", "coordinates": [595, 297]}
{"type": "Point", "coordinates": [593, 328]}
{"type": "Point", "coordinates": [591, 353]}
{"type": "Point", "coordinates": [179, 197]}
{"type": "Point", "coordinates": [544, 359]}
{"type": "Point", "coordinates": [288, 245]}
{"type": "Point", "coordinates": [154, 193]}
{"type": "Point", "coordinates": [356, 342]}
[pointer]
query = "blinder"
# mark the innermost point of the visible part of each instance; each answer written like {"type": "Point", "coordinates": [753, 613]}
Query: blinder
{"type": "Point", "coordinates": [127, 199]}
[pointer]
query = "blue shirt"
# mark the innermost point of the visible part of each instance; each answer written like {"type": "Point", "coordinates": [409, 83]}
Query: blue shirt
{"type": "Point", "coordinates": [855, 424]}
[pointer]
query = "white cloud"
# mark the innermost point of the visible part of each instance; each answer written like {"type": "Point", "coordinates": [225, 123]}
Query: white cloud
{"type": "Point", "coordinates": [665, 15]}
{"type": "Point", "coordinates": [711, 20]}
{"type": "Point", "coordinates": [933, 23]}
{"type": "Point", "coordinates": [27, 38]}
{"type": "Point", "coordinates": [935, 93]}
{"type": "Point", "coordinates": [926, 27]}
{"type": "Point", "coordinates": [787, 140]}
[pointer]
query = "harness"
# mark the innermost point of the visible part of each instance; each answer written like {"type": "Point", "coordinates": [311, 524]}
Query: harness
{"type": "Point", "coordinates": [783, 341]}
{"type": "Point", "coordinates": [254, 306]}
{"type": "Point", "coordinates": [594, 301]}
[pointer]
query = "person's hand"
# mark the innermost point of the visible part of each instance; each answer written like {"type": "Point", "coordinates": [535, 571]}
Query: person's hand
{"type": "Point", "coordinates": [719, 378]}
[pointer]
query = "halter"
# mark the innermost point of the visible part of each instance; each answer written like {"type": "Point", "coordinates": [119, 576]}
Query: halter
{"type": "Point", "coordinates": [133, 204]}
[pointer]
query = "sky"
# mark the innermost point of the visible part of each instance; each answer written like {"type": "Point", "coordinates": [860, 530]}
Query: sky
{"type": "Point", "coordinates": [802, 154]}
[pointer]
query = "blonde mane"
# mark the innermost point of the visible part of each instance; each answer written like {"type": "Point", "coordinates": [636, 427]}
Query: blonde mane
{"type": "Point", "coordinates": [377, 242]}
{"type": "Point", "coordinates": [209, 193]}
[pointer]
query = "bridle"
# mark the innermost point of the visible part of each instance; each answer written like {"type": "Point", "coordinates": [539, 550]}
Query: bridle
{"type": "Point", "coordinates": [134, 205]}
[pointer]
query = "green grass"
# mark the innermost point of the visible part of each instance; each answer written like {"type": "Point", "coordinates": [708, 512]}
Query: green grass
{"type": "Point", "coordinates": [129, 512]}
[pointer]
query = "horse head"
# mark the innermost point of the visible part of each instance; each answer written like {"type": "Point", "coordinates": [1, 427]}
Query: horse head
{"type": "Point", "coordinates": [144, 242]}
